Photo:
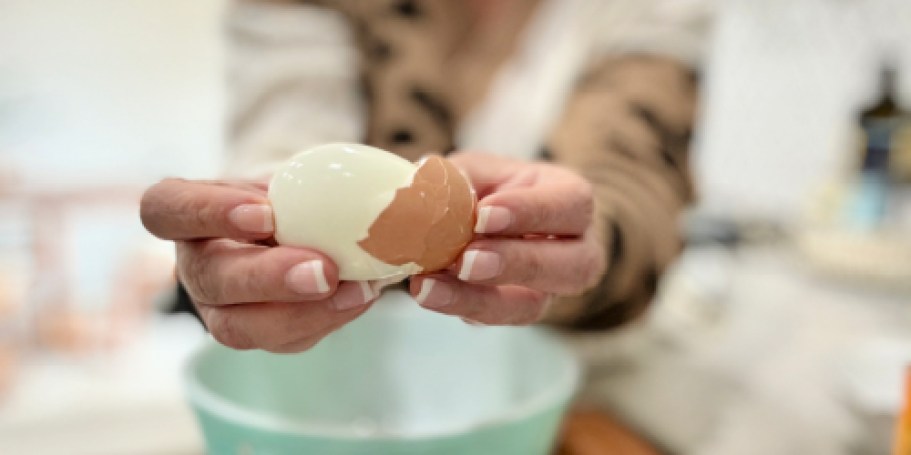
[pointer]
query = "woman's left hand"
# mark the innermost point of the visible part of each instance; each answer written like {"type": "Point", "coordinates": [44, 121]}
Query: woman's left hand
{"type": "Point", "coordinates": [536, 239]}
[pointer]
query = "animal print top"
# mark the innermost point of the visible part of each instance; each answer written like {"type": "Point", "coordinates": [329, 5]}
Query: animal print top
{"type": "Point", "coordinates": [404, 75]}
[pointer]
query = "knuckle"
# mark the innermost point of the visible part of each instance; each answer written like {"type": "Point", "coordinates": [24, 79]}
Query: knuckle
{"type": "Point", "coordinates": [194, 213]}
{"type": "Point", "coordinates": [202, 281]}
{"type": "Point", "coordinates": [191, 212]}
{"type": "Point", "coordinates": [532, 269]}
{"type": "Point", "coordinates": [241, 284]}
{"type": "Point", "coordinates": [225, 330]}
{"type": "Point", "coordinates": [257, 281]}
{"type": "Point", "coordinates": [189, 261]}
{"type": "Point", "coordinates": [543, 215]}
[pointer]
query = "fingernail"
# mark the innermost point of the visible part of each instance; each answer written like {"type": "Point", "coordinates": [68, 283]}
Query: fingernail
{"type": "Point", "coordinates": [252, 218]}
{"type": "Point", "coordinates": [379, 285]}
{"type": "Point", "coordinates": [367, 291]}
{"type": "Point", "coordinates": [479, 265]}
{"type": "Point", "coordinates": [492, 219]}
{"type": "Point", "coordinates": [434, 294]}
{"type": "Point", "coordinates": [356, 294]}
{"type": "Point", "coordinates": [307, 278]}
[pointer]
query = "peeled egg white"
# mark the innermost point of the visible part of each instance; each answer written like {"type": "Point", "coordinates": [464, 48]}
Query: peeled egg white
{"type": "Point", "coordinates": [327, 197]}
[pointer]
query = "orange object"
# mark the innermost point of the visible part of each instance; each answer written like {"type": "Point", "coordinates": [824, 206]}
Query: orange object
{"type": "Point", "coordinates": [590, 432]}
{"type": "Point", "coordinates": [903, 429]}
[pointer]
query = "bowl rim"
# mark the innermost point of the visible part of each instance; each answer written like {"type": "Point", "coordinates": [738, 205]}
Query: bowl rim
{"type": "Point", "coordinates": [560, 390]}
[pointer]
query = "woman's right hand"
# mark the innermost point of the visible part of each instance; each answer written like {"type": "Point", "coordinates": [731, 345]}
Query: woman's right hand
{"type": "Point", "coordinates": [249, 294]}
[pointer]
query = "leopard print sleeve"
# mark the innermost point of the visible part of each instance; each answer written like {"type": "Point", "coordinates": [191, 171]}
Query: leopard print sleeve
{"type": "Point", "coordinates": [627, 129]}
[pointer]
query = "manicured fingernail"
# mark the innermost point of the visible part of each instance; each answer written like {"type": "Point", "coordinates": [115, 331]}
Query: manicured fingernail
{"type": "Point", "coordinates": [252, 218]}
{"type": "Point", "coordinates": [307, 278]}
{"type": "Point", "coordinates": [479, 265]}
{"type": "Point", "coordinates": [379, 285]}
{"type": "Point", "coordinates": [492, 219]}
{"type": "Point", "coordinates": [353, 295]}
{"type": "Point", "coordinates": [434, 294]}
{"type": "Point", "coordinates": [367, 291]}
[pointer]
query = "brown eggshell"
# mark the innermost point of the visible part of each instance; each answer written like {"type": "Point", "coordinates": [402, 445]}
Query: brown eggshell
{"type": "Point", "coordinates": [428, 222]}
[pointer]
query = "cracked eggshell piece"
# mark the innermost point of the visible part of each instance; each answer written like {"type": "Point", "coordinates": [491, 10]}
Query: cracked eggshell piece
{"type": "Point", "coordinates": [428, 222]}
{"type": "Point", "coordinates": [377, 215]}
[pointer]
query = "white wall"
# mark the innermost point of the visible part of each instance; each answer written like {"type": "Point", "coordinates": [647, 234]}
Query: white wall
{"type": "Point", "coordinates": [94, 90]}
{"type": "Point", "coordinates": [100, 93]}
{"type": "Point", "coordinates": [110, 90]}
{"type": "Point", "coordinates": [783, 81]}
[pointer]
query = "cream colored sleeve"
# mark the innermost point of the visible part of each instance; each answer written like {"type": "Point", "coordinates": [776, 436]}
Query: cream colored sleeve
{"type": "Point", "coordinates": [293, 83]}
{"type": "Point", "coordinates": [676, 29]}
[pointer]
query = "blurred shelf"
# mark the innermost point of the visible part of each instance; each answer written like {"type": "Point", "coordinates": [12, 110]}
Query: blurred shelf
{"type": "Point", "coordinates": [876, 260]}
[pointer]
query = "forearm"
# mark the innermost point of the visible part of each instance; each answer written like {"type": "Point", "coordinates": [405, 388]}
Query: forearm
{"type": "Point", "coordinates": [627, 130]}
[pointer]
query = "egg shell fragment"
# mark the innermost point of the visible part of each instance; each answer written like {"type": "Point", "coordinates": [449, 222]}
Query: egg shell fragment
{"type": "Point", "coordinates": [429, 222]}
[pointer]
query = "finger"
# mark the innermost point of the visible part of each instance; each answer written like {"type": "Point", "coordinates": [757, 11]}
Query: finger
{"type": "Point", "coordinates": [283, 327]}
{"type": "Point", "coordinates": [564, 267]}
{"type": "Point", "coordinates": [493, 305]}
{"type": "Point", "coordinates": [223, 271]}
{"type": "Point", "coordinates": [485, 171]}
{"type": "Point", "coordinates": [562, 206]}
{"type": "Point", "coordinates": [177, 209]}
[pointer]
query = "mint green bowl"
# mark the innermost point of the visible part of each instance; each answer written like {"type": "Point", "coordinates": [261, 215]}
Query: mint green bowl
{"type": "Point", "coordinates": [399, 380]}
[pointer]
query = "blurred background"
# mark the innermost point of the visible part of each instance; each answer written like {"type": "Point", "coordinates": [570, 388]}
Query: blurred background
{"type": "Point", "coordinates": [784, 328]}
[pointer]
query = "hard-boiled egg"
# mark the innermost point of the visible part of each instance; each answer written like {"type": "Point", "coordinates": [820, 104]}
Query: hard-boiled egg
{"type": "Point", "coordinates": [377, 215]}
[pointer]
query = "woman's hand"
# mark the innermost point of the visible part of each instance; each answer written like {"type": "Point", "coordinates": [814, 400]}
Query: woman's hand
{"type": "Point", "coordinates": [249, 294]}
{"type": "Point", "coordinates": [536, 239]}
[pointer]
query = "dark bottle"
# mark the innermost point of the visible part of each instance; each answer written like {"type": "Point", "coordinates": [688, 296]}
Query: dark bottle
{"type": "Point", "coordinates": [880, 167]}
{"type": "Point", "coordinates": [880, 121]}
